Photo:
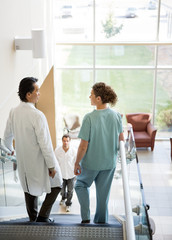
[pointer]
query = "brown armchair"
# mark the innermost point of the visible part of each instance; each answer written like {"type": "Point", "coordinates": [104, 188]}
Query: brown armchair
{"type": "Point", "coordinates": [144, 131]}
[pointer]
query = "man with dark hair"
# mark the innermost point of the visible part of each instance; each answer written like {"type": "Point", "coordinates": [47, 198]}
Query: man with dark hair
{"type": "Point", "coordinates": [66, 157]}
{"type": "Point", "coordinates": [26, 85]}
{"type": "Point", "coordinates": [34, 152]}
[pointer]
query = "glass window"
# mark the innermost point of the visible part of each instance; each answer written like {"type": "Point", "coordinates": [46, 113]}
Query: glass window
{"type": "Point", "coordinates": [129, 69]}
{"type": "Point", "coordinates": [125, 20]}
{"type": "Point", "coordinates": [76, 86]}
{"type": "Point", "coordinates": [165, 55]}
{"type": "Point", "coordinates": [72, 89]}
{"type": "Point", "coordinates": [165, 20]}
{"type": "Point", "coordinates": [164, 104]}
{"type": "Point", "coordinates": [125, 55]}
{"type": "Point", "coordinates": [69, 55]}
{"type": "Point", "coordinates": [73, 20]}
{"type": "Point", "coordinates": [133, 88]}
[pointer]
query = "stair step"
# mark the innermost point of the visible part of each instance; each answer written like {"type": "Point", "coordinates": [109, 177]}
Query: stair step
{"type": "Point", "coordinates": [66, 227]}
{"type": "Point", "coordinates": [53, 232]}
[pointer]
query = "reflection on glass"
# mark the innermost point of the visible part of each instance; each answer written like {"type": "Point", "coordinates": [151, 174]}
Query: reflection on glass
{"type": "Point", "coordinates": [125, 55]}
{"type": "Point", "coordinates": [164, 104]}
{"type": "Point", "coordinates": [74, 55]}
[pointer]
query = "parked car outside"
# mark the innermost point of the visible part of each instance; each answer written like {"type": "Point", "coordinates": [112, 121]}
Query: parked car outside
{"type": "Point", "coordinates": [66, 11]}
{"type": "Point", "coordinates": [152, 5]}
{"type": "Point", "coordinates": [131, 12]}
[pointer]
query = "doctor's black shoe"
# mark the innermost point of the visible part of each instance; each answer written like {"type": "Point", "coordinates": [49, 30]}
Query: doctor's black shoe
{"type": "Point", "coordinates": [85, 221]}
{"type": "Point", "coordinates": [43, 219]}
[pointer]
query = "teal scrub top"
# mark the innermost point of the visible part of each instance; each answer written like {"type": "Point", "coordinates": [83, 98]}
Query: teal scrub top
{"type": "Point", "coordinates": [101, 128]}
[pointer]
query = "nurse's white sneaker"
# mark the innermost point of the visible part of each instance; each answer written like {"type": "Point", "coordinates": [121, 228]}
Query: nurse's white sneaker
{"type": "Point", "coordinates": [67, 208]}
{"type": "Point", "coordinates": [62, 202]}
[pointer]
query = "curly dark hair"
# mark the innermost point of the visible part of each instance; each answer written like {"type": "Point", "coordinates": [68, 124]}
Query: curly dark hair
{"type": "Point", "coordinates": [106, 93]}
{"type": "Point", "coordinates": [25, 86]}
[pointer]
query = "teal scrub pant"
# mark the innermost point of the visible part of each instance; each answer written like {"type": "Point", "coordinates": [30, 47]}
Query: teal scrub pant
{"type": "Point", "coordinates": [103, 180]}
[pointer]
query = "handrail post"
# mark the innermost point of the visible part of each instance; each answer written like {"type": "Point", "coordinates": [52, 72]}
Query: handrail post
{"type": "Point", "coordinates": [3, 175]}
{"type": "Point", "coordinates": [127, 200]}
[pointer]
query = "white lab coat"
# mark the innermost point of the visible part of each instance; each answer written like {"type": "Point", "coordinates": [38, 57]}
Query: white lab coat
{"type": "Point", "coordinates": [34, 152]}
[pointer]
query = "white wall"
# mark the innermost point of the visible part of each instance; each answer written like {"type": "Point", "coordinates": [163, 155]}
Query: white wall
{"type": "Point", "coordinates": [18, 18]}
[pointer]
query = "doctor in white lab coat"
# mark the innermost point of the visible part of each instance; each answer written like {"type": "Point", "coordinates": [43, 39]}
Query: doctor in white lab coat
{"type": "Point", "coordinates": [38, 168]}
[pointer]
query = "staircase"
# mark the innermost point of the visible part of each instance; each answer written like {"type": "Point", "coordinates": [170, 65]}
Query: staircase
{"type": "Point", "coordinates": [66, 227]}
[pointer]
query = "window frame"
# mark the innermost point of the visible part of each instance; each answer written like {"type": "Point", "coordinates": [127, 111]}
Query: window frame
{"type": "Point", "coordinates": [155, 67]}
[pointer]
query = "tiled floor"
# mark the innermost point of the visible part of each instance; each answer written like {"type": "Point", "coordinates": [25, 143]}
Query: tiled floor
{"type": "Point", "coordinates": [156, 173]}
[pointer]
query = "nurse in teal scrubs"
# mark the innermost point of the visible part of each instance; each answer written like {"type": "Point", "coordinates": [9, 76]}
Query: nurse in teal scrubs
{"type": "Point", "coordinates": [100, 134]}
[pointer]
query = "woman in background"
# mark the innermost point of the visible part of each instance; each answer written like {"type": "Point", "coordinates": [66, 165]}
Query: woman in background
{"type": "Point", "coordinates": [100, 134]}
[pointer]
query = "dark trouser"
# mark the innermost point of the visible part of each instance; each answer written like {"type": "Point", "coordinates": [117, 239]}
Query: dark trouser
{"type": "Point", "coordinates": [32, 204]}
{"type": "Point", "coordinates": [69, 183]}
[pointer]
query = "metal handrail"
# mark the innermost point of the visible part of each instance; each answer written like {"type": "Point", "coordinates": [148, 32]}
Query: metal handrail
{"type": "Point", "coordinates": [127, 199]}
{"type": "Point", "coordinates": [146, 206]}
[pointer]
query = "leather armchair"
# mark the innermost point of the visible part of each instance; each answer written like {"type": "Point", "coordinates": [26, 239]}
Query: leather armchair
{"type": "Point", "coordinates": [144, 131]}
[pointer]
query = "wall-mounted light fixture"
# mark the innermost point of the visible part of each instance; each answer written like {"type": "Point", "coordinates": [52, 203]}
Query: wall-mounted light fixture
{"type": "Point", "coordinates": [36, 43]}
